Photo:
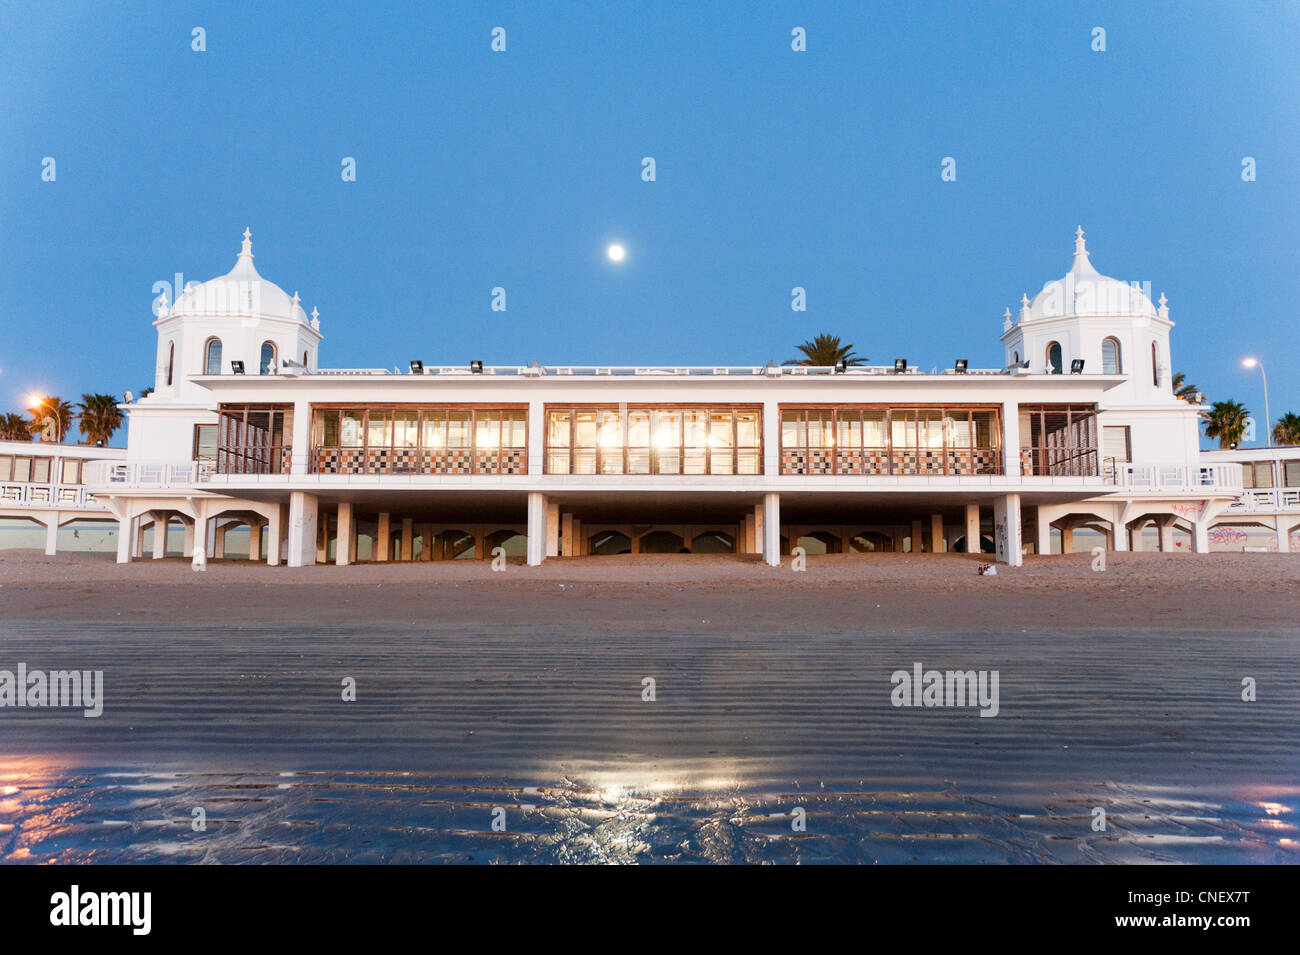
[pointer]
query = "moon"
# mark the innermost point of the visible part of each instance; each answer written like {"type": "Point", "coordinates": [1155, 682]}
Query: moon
{"type": "Point", "coordinates": [616, 252]}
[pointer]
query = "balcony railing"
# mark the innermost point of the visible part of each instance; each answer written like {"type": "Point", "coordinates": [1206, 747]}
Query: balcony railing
{"type": "Point", "coordinates": [132, 474]}
{"type": "Point", "coordinates": [18, 494]}
{"type": "Point", "coordinates": [1266, 500]}
{"type": "Point", "coordinates": [1174, 478]}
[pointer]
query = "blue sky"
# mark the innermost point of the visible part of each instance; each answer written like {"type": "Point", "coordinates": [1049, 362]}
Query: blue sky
{"type": "Point", "coordinates": [478, 169]}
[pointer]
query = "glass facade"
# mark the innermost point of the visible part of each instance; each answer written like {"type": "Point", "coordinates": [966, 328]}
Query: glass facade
{"type": "Point", "coordinates": [874, 439]}
{"type": "Point", "coordinates": [644, 439]}
{"type": "Point", "coordinates": [420, 439]}
{"type": "Point", "coordinates": [253, 439]}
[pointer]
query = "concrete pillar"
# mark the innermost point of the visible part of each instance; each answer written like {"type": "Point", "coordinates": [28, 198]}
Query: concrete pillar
{"type": "Point", "coordinates": [972, 528]}
{"type": "Point", "coordinates": [772, 529]}
{"type": "Point", "coordinates": [1067, 540]}
{"type": "Point", "coordinates": [408, 538]}
{"type": "Point", "coordinates": [425, 533]}
{"type": "Point", "coordinates": [579, 541]}
{"type": "Point", "coordinates": [1119, 535]}
{"type": "Point", "coordinates": [187, 547]}
{"type": "Point", "coordinates": [1006, 529]}
{"type": "Point", "coordinates": [275, 536]}
{"type": "Point", "coordinates": [552, 529]}
{"type": "Point", "coordinates": [254, 541]}
{"type": "Point", "coordinates": [918, 544]}
{"type": "Point", "coordinates": [566, 535]}
{"type": "Point", "coordinates": [1011, 438]}
{"type": "Point", "coordinates": [1283, 537]}
{"type": "Point", "coordinates": [301, 445]}
{"type": "Point", "coordinates": [219, 541]}
{"type": "Point", "coordinates": [303, 528]}
{"type": "Point", "coordinates": [346, 533]}
{"type": "Point", "coordinates": [747, 545]}
{"type": "Point", "coordinates": [771, 437]}
{"type": "Point", "coordinates": [536, 436]}
{"type": "Point", "coordinates": [1043, 524]}
{"type": "Point", "coordinates": [124, 539]}
{"type": "Point", "coordinates": [138, 549]}
{"type": "Point", "coordinates": [383, 537]}
{"type": "Point", "coordinates": [537, 511]}
{"type": "Point", "coordinates": [52, 534]}
{"type": "Point", "coordinates": [1166, 529]}
{"type": "Point", "coordinates": [634, 541]}
{"type": "Point", "coordinates": [1201, 537]}
{"type": "Point", "coordinates": [937, 543]}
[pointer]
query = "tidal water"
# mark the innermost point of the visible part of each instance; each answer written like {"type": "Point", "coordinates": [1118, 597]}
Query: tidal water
{"type": "Point", "coordinates": [236, 746]}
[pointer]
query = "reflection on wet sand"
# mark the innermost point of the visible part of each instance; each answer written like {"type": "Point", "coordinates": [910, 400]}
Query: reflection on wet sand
{"type": "Point", "coordinates": [123, 817]}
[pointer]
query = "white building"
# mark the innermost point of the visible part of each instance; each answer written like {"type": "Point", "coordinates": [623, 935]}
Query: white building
{"type": "Point", "coordinates": [1079, 430]}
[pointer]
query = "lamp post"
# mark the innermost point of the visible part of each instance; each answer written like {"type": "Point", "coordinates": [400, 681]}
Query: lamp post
{"type": "Point", "coordinates": [1268, 419]}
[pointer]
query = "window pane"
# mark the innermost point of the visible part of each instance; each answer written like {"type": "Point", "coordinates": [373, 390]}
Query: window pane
{"type": "Point", "coordinates": [6, 467]}
{"type": "Point", "coordinates": [41, 470]}
{"type": "Point", "coordinates": [380, 432]}
{"type": "Point", "coordinates": [638, 429]}
{"type": "Point", "coordinates": [205, 439]}
{"type": "Point", "coordinates": [514, 429]}
{"type": "Point", "coordinates": [458, 429]}
{"type": "Point", "coordinates": [557, 430]}
{"type": "Point", "coordinates": [931, 429]}
{"type": "Point", "coordinates": [487, 429]}
{"type": "Point", "coordinates": [71, 471]}
{"type": "Point", "coordinates": [22, 469]}
{"type": "Point", "coordinates": [747, 429]}
{"type": "Point", "coordinates": [434, 429]}
{"type": "Point", "coordinates": [873, 429]}
{"type": "Point", "coordinates": [1292, 473]}
{"type": "Point", "coordinates": [850, 430]}
{"type": "Point", "coordinates": [350, 429]}
{"type": "Point", "coordinates": [720, 429]}
{"type": "Point", "coordinates": [405, 429]}
{"type": "Point", "coordinates": [584, 430]}
{"type": "Point", "coordinates": [794, 433]}
{"type": "Point", "coordinates": [957, 429]}
{"type": "Point", "coordinates": [985, 429]}
{"type": "Point", "coordinates": [903, 428]}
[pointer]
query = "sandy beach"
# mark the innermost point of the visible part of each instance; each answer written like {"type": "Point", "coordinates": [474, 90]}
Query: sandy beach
{"type": "Point", "coordinates": [523, 690]}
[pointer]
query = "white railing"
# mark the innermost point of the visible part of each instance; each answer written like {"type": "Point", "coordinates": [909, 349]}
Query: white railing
{"type": "Point", "coordinates": [672, 371]}
{"type": "Point", "coordinates": [1176, 478]}
{"type": "Point", "coordinates": [1266, 500]}
{"type": "Point", "coordinates": [133, 474]}
{"type": "Point", "coordinates": [18, 494]}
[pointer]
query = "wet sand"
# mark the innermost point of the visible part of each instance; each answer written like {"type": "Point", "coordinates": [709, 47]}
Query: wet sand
{"type": "Point", "coordinates": [475, 690]}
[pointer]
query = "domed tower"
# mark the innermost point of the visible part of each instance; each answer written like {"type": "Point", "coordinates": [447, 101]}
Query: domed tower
{"type": "Point", "coordinates": [1109, 325]}
{"type": "Point", "coordinates": [237, 320]}
{"type": "Point", "coordinates": [1114, 329]}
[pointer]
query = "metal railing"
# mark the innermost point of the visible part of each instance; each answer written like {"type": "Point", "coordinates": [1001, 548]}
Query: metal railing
{"type": "Point", "coordinates": [20, 494]}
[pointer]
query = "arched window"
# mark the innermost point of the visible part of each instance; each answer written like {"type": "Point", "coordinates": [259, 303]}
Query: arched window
{"type": "Point", "coordinates": [212, 357]}
{"type": "Point", "coordinates": [304, 361]}
{"type": "Point", "coordinates": [1054, 358]}
{"type": "Point", "coordinates": [1155, 365]}
{"type": "Point", "coordinates": [267, 363]}
{"type": "Point", "coordinates": [1015, 358]}
{"type": "Point", "coordinates": [171, 360]}
{"type": "Point", "coordinates": [1110, 363]}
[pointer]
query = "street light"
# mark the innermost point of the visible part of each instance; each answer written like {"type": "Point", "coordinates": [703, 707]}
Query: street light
{"type": "Point", "coordinates": [1268, 420]}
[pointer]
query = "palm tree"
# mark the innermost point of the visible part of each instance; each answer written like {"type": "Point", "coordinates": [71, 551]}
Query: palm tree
{"type": "Point", "coordinates": [14, 427]}
{"type": "Point", "coordinates": [826, 351]}
{"type": "Point", "coordinates": [55, 409]}
{"type": "Point", "coordinates": [1226, 420]}
{"type": "Point", "coordinates": [99, 418]}
{"type": "Point", "coordinates": [1186, 392]}
{"type": "Point", "coordinates": [1287, 429]}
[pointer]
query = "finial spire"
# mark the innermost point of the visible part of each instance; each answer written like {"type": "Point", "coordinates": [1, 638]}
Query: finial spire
{"type": "Point", "coordinates": [295, 300]}
{"type": "Point", "coordinates": [247, 248]}
{"type": "Point", "coordinates": [162, 304]}
{"type": "Point", "coordinates": [1079, 247]}
{"type": "Point", "coordinates": [315, 318]}
{"type": "Point", "coordinates": [1164, 306]}
{"type": "Point", "coordinates": [1024, 300]}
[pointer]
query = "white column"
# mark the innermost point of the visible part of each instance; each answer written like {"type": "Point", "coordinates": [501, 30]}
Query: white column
{"type": "Point", "coordinates": [936, 534]}
{"type": "Point", "coordinates": [566, 535]}
{"type": "Point", "coordinates": [552, 529]}
{"type": "Point", "coordinates": [1006, 529]}
{"type": "Point", "coordinates": [408, 537]}
{"type": "Point", "coordinates": [301, 445]}
{"type": "Point", "coordinates": [772, 529]}
{"type": "Point", "coordinates": [917, 542]}
{"type": "Point", "coordinates": [254, 541]}
{"type": "Point", "coordinates": [1043, 523]}
{"type": "Point", "coordinates": [1283, 538]}
{"type": "Point", "coordinates": [124, 538]}
{"type": "Point", "coordinates": [52, 534]}
{"type": "Point", "coordinates": [1011, 438]}
{"type": "Point", "coordinates": [187, 545]}
{"type": "Point", "coordinates": [302, 528]}
{"type": "Point", "coordinates": [383, 542]}
{"type": "Point", "coordinates": [771, 437]}
{"type": "Point", "coordinates": [972, 528]}
{"type": "Point", "coordinates": [536, 436]}
{"type": "Point", "coordinates": [536, 528]}
{"type": "Point", "coordinates": [343, 545]}
{"type": "Point", "coordinates": [1119, 535]}
{"type": "Point", "coordinates": [1166, 529]}
{"type": "Point", "coordinates": [274, 536]}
